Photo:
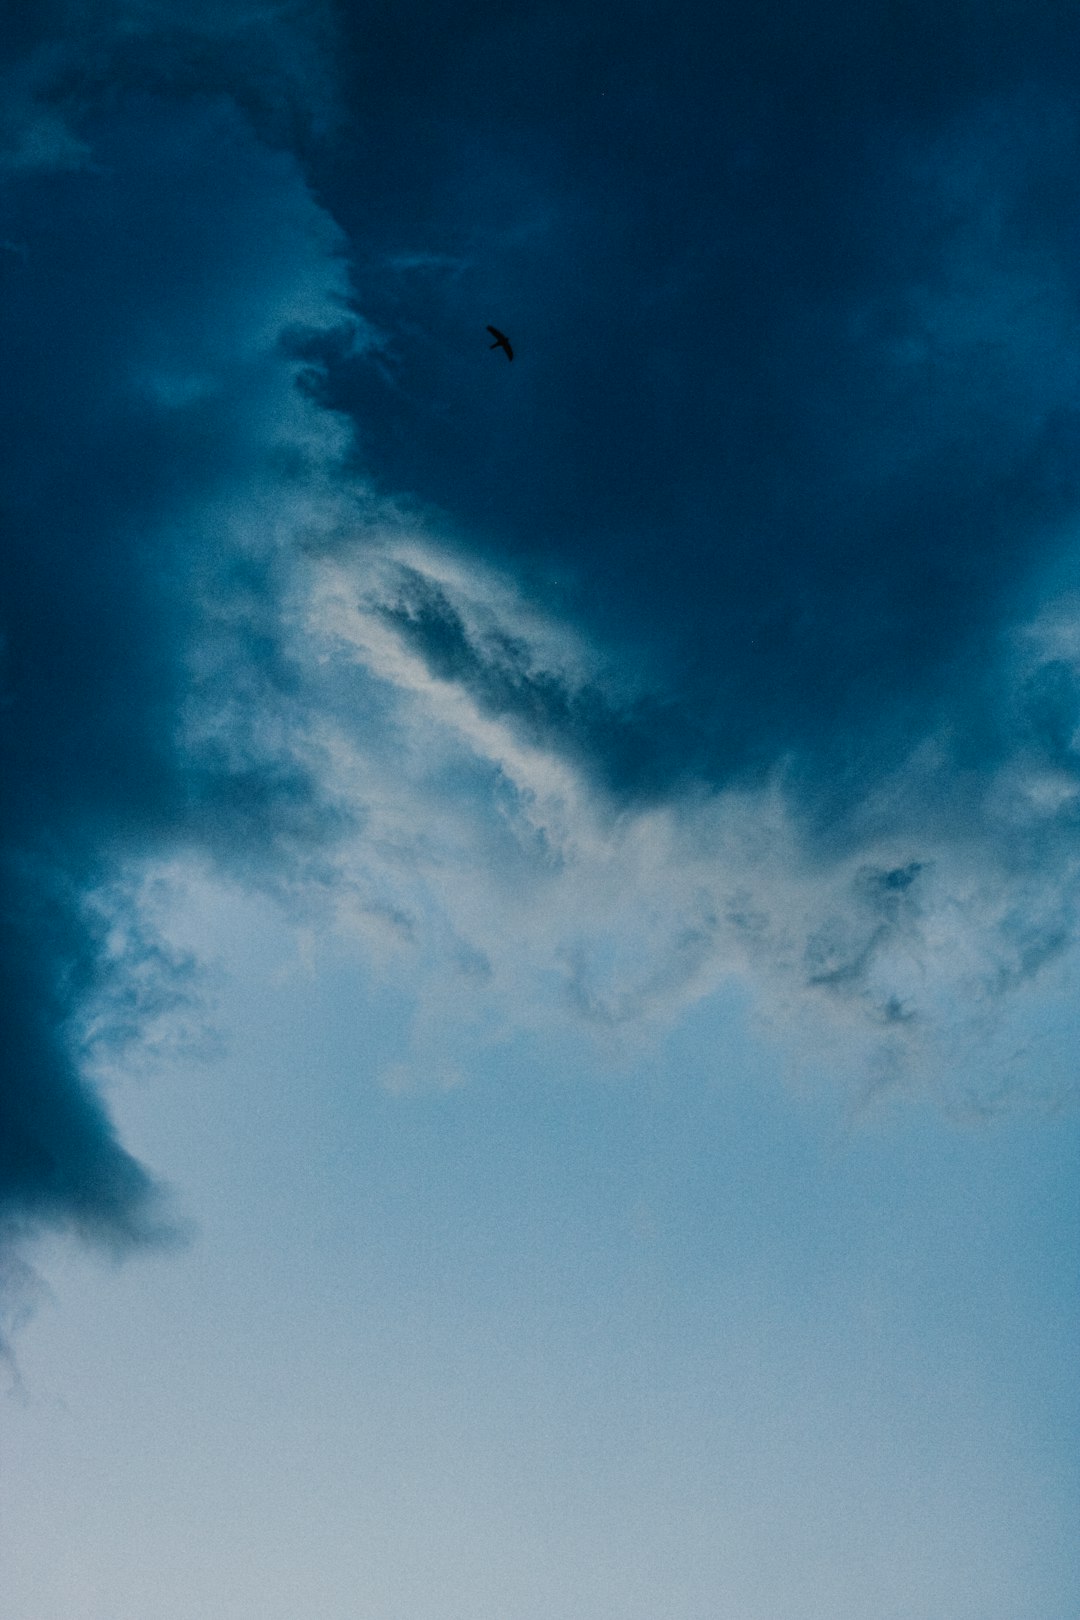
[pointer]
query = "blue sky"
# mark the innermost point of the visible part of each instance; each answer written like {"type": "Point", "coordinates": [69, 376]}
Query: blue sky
{"type": "Point", "coordinates": [539, 946]}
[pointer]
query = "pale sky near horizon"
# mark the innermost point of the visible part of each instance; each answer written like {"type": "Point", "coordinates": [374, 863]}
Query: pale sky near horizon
{"type": "Point", "coordinates": [539, 942]}
{"type": "Point", "coordinates": [667, 1339]}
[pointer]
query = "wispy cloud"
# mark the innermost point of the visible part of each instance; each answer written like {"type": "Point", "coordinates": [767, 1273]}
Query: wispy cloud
{"type": "Point", "coordinates": [491, 824]}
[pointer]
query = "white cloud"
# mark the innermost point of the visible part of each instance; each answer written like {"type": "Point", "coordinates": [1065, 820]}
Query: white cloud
{"type": "Point", "coordinates": [479, 845]}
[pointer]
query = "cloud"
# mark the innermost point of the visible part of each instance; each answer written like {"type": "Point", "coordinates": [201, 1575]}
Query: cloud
{"type": "Point", "coordinates": [793, 496]}
{"type": "Point", "coordinates": [798, 454]}
{"type": "Point", "coordinates": [492, 831]}
{"type": "Point", "coordinates": [765, 674]}
{"type": "Point", "coordinates": [164, 454]}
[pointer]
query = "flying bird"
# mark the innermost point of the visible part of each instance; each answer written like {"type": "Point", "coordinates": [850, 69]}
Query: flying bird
{"type": "Point", "coordinates": [501, 341]}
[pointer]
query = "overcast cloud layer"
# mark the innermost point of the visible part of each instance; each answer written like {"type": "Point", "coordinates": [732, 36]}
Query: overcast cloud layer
{"type": "Point", "coordinates": [730, 633]}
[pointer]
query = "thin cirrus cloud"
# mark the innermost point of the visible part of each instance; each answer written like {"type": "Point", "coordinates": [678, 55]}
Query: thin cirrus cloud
{"type": "Point", "coordinates": [764, 674]}
{"type": "Point", "coordinates": [498, 824]}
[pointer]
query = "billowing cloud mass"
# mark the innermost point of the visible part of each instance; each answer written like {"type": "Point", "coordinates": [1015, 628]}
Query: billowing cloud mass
{"type": "Point", "coordinates": [164, 269]}
{"type": "Point", "coordinates": [729, 635]}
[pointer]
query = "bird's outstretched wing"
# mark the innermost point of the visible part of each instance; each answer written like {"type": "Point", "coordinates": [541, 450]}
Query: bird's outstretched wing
{"type": "Point", "coordinates": [501, 341]}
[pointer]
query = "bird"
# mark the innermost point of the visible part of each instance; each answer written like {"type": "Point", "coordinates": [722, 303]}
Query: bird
{"type": "Point", "coordinates": [501, 341]}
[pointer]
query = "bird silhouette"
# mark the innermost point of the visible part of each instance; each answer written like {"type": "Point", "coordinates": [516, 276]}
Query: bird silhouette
{"type": "Point", "coordinates": [501, 341]}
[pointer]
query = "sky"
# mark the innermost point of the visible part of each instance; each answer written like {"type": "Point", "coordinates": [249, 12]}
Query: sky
{"type": "Point", "coordinates": [541, 899]}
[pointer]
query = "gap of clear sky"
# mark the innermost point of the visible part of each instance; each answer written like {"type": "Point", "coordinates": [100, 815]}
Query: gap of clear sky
{"type": "Point", "coordinates": [538, 946]}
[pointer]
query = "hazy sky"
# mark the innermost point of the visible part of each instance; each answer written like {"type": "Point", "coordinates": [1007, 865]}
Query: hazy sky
{"type": "Point", "coordinates": [541, 900]}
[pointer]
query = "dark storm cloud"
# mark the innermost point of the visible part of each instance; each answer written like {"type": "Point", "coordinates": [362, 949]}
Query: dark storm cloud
{"type": "Point", "coordinates": [154, 445]}
{"type": "Point", "coordinates": [60, 1160]}
{"type": "Point", "coordinates": [795, 303]}
{"type": "Point", "coordinates": [789, 446]}
{"type": "Point", "coordinates": [619, 743]}
{"type": "Point", "coordinates": [791, 439]}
